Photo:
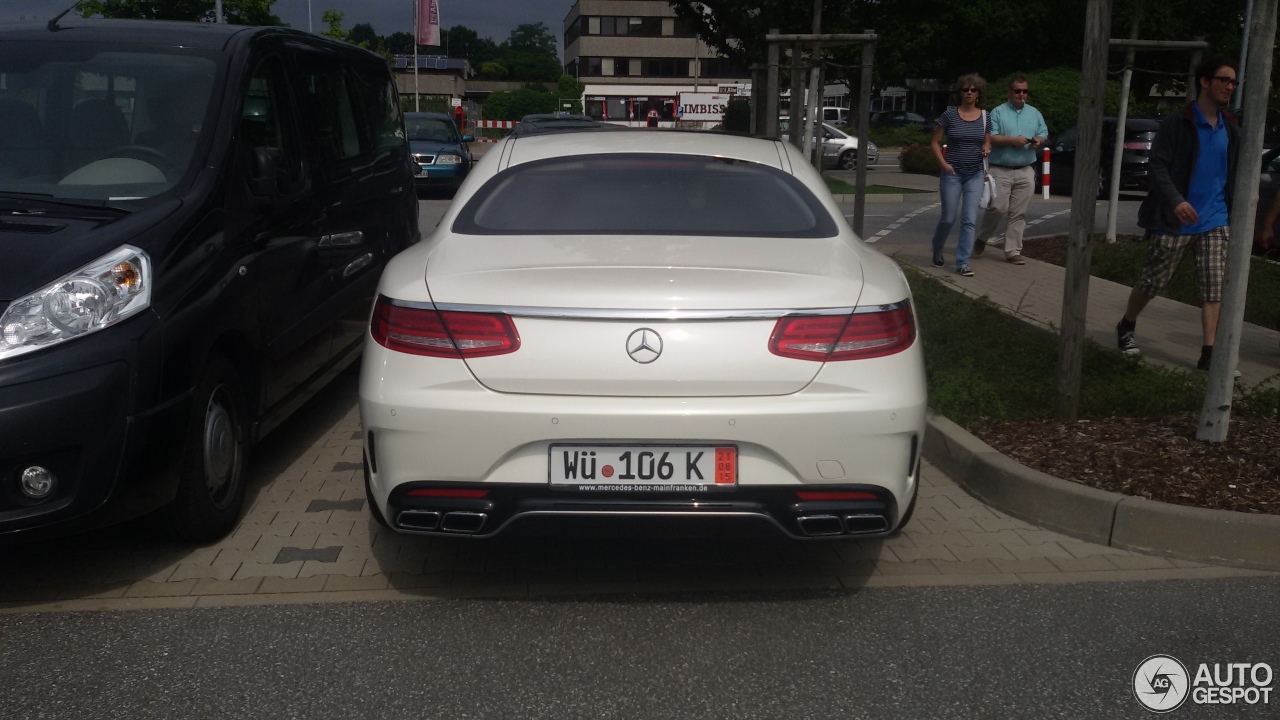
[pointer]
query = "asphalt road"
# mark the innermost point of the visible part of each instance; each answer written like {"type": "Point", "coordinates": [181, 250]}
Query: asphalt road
{"type": "Point", "coordinates": [1030, 651]}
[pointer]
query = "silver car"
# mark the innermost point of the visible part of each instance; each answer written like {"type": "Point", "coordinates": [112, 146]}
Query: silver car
{"type": "Point", "coordinates": [839, 149]}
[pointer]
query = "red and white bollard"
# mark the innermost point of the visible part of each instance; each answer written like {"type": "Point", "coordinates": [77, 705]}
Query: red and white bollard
{"type": "Point", "coordinates": [1044, 185]}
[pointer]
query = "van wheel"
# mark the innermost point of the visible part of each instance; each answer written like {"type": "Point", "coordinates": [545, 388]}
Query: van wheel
{"type": "Point", "coordinates": [368, 495]}
{"type": "Point", "coordinates": [211, 484]}
{"type": "Point", "coordinates": [849, 160]}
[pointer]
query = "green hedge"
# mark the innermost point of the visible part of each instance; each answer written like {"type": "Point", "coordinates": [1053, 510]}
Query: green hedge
{"type": "Point", "coordinates": [899, 136]}
{"type": "Point", "coordinates": [919, 159]}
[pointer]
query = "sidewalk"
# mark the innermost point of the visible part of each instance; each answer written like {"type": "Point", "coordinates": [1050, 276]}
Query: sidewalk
{"type": "Point", "coordinates": [1168, 331]}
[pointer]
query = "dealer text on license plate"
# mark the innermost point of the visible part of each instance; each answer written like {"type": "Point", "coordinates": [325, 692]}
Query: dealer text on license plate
{"type": "Point", "coordinates": [643, 467]}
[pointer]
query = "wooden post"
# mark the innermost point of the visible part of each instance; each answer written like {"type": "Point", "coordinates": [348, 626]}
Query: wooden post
{"type": "Point", "coordinates": [864, 131]}
{"type": "Point", "coordinates": [1215, 415]}
{"type": "Point", "coordinates": [1084, 188]}
{"type": "Point", "coordinates": [757, 96]}
{"type": "Point", "coordinates": [796, 111]}
{"type": "Point", "coordinates": [1193, 87]}
{"type": "Point", "coordinates": [771, 91]}
{"type": "Point", "coordinates": [1117, 155]}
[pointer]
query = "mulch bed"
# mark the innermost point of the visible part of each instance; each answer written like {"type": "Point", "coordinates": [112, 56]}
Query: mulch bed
{"type": "Point", "coordinates": [1053, 248]}
{"type": "Point", "coordinates": [1155, 458]}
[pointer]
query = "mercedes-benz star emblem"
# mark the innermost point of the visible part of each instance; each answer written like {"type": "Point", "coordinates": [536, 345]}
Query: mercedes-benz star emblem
{"type": "Point", "coordinates": [644, 345]}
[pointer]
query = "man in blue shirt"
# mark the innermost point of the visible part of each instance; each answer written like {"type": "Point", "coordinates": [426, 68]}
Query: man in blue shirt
{"type": "Point", "coordinates": [1192, 168]}
{"type": "Point", "coordinates": [1017, 132]}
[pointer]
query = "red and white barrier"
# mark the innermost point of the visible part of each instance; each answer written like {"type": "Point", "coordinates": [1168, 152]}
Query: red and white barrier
{"type": "Point", "coordinates": [503, 124]}
{"type": "Point", "coordinates": [1044, 188]}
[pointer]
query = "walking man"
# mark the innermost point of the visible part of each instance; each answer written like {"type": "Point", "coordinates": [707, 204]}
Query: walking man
{"type": "Point", "coordinates": [1017, 132]}
{"type": "Point", "coordinates": [1192, 166]}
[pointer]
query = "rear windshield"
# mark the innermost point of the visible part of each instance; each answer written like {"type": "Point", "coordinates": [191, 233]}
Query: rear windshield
{"type": "Point", "coordinates": [645, 194]}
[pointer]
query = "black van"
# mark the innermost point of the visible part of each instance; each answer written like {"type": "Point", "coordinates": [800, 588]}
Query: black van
{"type": "Point", "coordinates": [193, 220]}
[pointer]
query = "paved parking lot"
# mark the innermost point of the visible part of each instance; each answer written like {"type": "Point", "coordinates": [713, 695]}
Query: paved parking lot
{"type": "Point", "coordinates": [307, 537]}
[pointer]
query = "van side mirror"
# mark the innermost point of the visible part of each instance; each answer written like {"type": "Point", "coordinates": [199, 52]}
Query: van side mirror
{"type": "Point", "coordinates": [267, 173]}
{"type": "Point", "coordinates": [468, 138]}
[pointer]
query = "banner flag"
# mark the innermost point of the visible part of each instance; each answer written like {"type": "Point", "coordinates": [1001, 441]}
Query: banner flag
{"type": "Point", "coordinates": [428, 22]}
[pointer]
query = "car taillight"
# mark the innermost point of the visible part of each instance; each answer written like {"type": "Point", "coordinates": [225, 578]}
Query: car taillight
{"type": "Point", "coordinates": [437, 333]}
{"type": "Point", "coordinates": [859, 336]}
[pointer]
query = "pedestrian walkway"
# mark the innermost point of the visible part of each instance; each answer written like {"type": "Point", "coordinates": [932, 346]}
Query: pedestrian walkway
{"type": "Point", "coordinates": [1169, 332]}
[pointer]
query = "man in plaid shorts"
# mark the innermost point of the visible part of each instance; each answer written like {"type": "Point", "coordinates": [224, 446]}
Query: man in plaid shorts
{"type": "Point", "coordinates": [1192, 164]}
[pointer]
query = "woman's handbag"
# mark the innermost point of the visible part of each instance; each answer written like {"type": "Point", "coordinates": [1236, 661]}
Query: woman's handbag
{"type": "Point", "coordinates": [988, 182]}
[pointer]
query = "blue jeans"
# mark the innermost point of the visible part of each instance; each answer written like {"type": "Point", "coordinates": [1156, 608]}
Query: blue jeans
{"type": "Point", "coordinates": [952, 187]}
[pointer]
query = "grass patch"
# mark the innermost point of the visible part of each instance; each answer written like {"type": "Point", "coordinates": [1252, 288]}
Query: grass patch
{"type": "Point", "coordinates": [1122, 261]}
{"type": "Point", "coordinates": [840, 187]}
{"type": "Point", "coordinates": [984, 364]}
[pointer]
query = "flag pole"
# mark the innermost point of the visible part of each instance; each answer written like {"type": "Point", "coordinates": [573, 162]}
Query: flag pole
{"type": "Point", "coordinates": [416, 20]}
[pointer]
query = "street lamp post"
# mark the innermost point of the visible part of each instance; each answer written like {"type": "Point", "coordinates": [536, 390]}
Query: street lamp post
{"type": "Point", "coordinates": [217, 12]}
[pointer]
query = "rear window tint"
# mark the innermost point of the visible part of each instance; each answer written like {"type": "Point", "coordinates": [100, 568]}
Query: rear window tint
{"type": "Point", "coordinates": [645, 194]}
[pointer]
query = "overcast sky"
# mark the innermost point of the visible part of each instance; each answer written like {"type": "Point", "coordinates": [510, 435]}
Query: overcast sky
{"type": "Point", "coordinates": [491, 18]}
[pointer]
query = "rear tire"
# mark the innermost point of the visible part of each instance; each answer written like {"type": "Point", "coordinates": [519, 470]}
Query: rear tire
{"type": "Point", "coordinates": [849, 160]}
{"type": "Point", "coordinates": [211, 482]}
{"type": "Point", "coordinates": [368, 495]}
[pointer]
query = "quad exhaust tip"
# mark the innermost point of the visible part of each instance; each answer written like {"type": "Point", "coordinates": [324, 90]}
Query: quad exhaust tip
{"type": "Point", "coordinates": [463, 522]}
{"type": "Point", "coordinates": [418, 519]}
{"type": "Point", "coordinates": [857, 524]}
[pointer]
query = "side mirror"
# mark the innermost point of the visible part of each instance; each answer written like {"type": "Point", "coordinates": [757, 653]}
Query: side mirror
{"type": "Point", "coordinates": [468, 138]}
{"type": "Point", "coordinates": [268, 177]}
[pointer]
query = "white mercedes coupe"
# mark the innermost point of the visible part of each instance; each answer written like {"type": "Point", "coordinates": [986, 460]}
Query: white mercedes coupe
{"type": "Point", "coordinates": [645, 324]}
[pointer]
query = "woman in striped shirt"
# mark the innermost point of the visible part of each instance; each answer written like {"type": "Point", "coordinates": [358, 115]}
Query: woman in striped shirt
{"type": "Point", "coordinates": [968, 132]}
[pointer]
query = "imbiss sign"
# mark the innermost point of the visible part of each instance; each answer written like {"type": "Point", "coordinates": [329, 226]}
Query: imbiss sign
{"type": "Point", "coordinates": [702, 106]}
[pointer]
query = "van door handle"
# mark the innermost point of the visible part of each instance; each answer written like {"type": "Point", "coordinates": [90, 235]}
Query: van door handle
{"type": "Point", "coordinates": [357, 265]}
{"type": "Point", "coordinates": [343, 239]}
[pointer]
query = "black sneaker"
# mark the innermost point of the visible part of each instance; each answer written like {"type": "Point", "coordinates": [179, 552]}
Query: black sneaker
{"type": "Point", "coordinates": [1126, 341]}
{"type": "Point", "coordinates": [937, 260]}
{"type": "Point", "coordinates": [1205, 359]}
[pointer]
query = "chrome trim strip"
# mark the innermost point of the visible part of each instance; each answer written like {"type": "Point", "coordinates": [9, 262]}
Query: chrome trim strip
{"type": "Point", "coordinates": [636, 314]}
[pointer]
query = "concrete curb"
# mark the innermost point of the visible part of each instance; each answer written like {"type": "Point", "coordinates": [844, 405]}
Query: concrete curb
{"type": "Point", "coordinates": [1099, 516]}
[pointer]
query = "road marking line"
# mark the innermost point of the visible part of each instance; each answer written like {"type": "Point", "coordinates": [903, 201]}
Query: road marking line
{"type": "Point", "coordinates": [899, 222]}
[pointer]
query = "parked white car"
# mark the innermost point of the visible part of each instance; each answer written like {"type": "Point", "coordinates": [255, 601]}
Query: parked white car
{"type": "Point", "coordinates": [839, 149]}
{"type": "Point", "coordinates": [643, 324]}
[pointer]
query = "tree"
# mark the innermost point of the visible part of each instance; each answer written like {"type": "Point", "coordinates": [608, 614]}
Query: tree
{"type": "Point", "coordinates": [400, 43]}
{"type": "Point", "coordinates": [536, 38]}
{"type": "Point", "coordinates": [492, 71]}
{"type": "Point", "coordinates": [461, 41]}
{"type": "Point", "coordinates": [333, 19]}
{"type": "Point", "coordinates": [363, 35]}
{"type": "Point", "coordinates": [570, 90]}
{"type": "Point", "coordinates": [236, 12]}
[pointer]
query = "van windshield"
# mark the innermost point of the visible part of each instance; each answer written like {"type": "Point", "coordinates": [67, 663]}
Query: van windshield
{"type": "Point", "coordinates": [99, 122]}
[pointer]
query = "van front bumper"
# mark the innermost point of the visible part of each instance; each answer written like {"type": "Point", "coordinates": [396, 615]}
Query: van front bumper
{"type": "Point", "coordinates": [71, 410]}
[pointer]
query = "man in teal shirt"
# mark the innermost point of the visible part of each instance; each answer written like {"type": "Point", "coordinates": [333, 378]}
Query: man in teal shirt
{"type": "Point", "coordinates": [1017, 132]}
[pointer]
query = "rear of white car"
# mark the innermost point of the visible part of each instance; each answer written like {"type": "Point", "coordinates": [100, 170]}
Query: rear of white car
{"type": "Point", "coordinates": [665, 324]}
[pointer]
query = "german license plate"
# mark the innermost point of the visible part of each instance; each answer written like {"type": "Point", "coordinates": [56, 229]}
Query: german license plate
{"type": "Point", "coordinates": [422, 171]}
{"type": "Point", "coordinates": [644, 468]}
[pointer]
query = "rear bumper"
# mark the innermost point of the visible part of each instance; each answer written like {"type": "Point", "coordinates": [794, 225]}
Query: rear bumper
{"type": "Point", "coordinates": [504, 505]}
{"type": "Point", "coordinates": [428, 423]}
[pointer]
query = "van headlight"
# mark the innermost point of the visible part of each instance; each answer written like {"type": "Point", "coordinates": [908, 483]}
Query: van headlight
{"type": "Point", "coordinates": [98, 295]}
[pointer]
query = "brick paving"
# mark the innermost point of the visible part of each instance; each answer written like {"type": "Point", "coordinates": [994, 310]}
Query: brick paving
{"type": "Point", "coordinates": [306, 537]}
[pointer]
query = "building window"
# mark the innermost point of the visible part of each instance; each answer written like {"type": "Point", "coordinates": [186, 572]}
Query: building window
{"type": "Point", "coordinates": [666, 67]}
{"type": "Point", "coordinates": [683, 28]}
{"type": "Point", "coordinates": [591, 67]}
{"type": "Point", "coordinates": [607, 26]}
{"type": "Point", "coordinates": [668, 26]}
{"type": "Point", "coordinates": [634, 67]}
{"type": "Point", "coordinates": [606, 66]}
{"type": "Point", "coordinates": [593, 26]}
{"type": "Point", "coordinates": [572, 34]}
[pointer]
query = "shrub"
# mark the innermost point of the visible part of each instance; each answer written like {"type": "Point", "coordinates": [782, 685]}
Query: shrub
{"type": "Point", "coordinates": [919, 159]}
{"type": "Point", "coordinates": [1056, 94]}
{"type": "Point", "coordinates": [899, 136]}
